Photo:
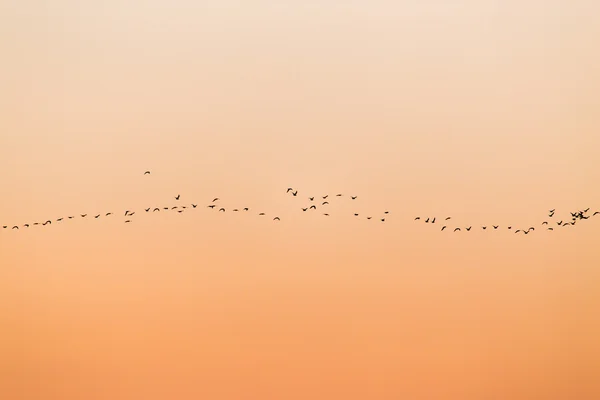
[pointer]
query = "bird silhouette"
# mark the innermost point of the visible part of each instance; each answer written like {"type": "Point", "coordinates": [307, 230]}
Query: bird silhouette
{"type": "Point", "coordinates": [369, 217]}
{"type": "Point", "coordinates": [443, 227]}
{"type": "Point", "coordinates": [325, 202]}
{"type": "Point", "coordinates": [495, 226]}
{"type": "Point", "coordinates": [304, 209]}
{"type": "Point", "coordinates": [551, 211]}
{"type": "Point", "coordinates": [469, 228]}
{"type": "Point", "coordinates": [194, 205]}
{"type": "Point", "coordinates": [128, 221]}
{"type": "Point", "coordinates": [156, 209]}
{"type": "Point", "coordinates": [586, 210]}
{"type": "Point", "coordinates": [71, 217]}
{"type": "Point", "coordinates": [4, 226]}
{"type": "Point", "coordinates": [222, 209]}
{"type": "Point", "coordinates": [107, 214]}
{"type": "Point", "coordinates": [355, 214]}
{"type": "Point", "coordinates": [246, 208]}
{"type": "Point", "coordinates": [289, 190]}
{"type": "Point", "coordinates": [313, 207]}
{"type": "Point", "coordinates": [36, 223]}
{"type": "Point", "coordinates": [339, 195]}
{"type": "Point", "coordinates": [147, 209]}
{"type": "Point", "coordinates": [147, 173]}
{"type": "Point", "coordinates": [550, 229]}
{"type": "Point", "coordinates": [15, 227]}
{"type": "Point", "coordinates": [325, 214]}
{"type": "Point", "coordinates": [180, 211]}
{"type": "Point", "coordinates": [433, 221]}
{"type": "Point", "coordinates": [517, 231]}
{"type": "Point", "coordinates": [531, 228]}
{"type": "Point", "coordinates": [26, 225]}
{"type": "Point", "coordinates": [456, 229]}
{"type": "Point", "coordinates": [510, 227]}
{"type": "Point", "coordinates": [261, 214]}
{"type": "Point", "coordinates": [558, 223]}
{"type": "Point", "coordinates": [174, 207]}
{"type": "Point", "coordinates": [447, 218]}
{"type": "Point", "coordinates": [326, 196]}
{"type": "Point", "coordinates": [427, 220]}
{"type": "Point", "coordinates": [353, 197]}
{"type": "Point", "coordinates": [211, 206]}
{"type": "Point", "coordinates": [215, 199]}
{"type": "Point", "coordinates": [526, 232]}
{"type": "Point", "coordinates": [166, 208]}
{"type": "Point", "coordinates": [58, 220]}
{"type": "Point", "coordinates": [387, 212]}
{"type": "Point", "coordinates": [545, 223]}
{"type": "Point", "coordinates": [295, 193]}
{"type": "Point", "coordinates": [311, 198]}
{"type": "Point", "coordinates": [177, 197]}
{"type": "Point", "coordinates": [417, 218]}
{"type": "Point", "coordinates": [132, 213]}
{"type": "Point", "coordinates": [97, 216]}
{"type": "Point", "coordinates": [276, 219]}
{"type": "Point", "coordinates": [126, 212]}
{"type": "Point", "coordinates": [596, 213]}
{"type": "Point", "coordinates": [382, 219]}
{"type": "Point", "coordinates": [235, 209]}
{"type": "Point", "coordinates": [83, 215]}
{"type": "Point", "coordinates": [484, 227]}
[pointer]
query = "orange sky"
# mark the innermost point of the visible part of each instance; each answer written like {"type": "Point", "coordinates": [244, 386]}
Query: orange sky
{"type": "Point", "coordinates": [483, 110]}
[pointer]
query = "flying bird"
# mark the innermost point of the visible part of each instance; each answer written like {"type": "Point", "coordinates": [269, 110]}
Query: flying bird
{"type": "Point", "coordinates": [311, 198]}
{"type": "Point", "coordinates": [369, 217]}
{"type": "Point", "coordinates": [484, 227]}
{"type": "Point", "coordinates": [15, 227]}
{"type": "Point", "coordinates": [177, 197]}
{"type": "Point", "coordinates": [597, 212]}
{"type": "Point", "coordinates": [235, 209]}
{"type": "Point", "coordinates": [339, 195]}
{"type": "Point", "coordinates": [326, 196]}
{"type": "Point", "coordinates": [97, 216]}
{"type": "Point", "coordinates": [222, 209]}
{"type": "Point", "coordinates": [246, 208]}
{"type": "Point", "coordinates": [26, 225]}
{"type": "Point", "coordinates": [356, 215]}
{"type": "Point", "coordinates": [215, 199]}
{"type": "Point", "coordinates": [147, 209]}
{"type": "Point", "coordinates": [289, 190]}
{"type": "Point", "coordinates": [427, 220]}
{"type": "Point", "coordinates": [172, 208]}
{"type": "Point", "coordinates": [353, 197]}
{"type": "Point", "coordinates": [433, 221]}
{"type": "Point", "coordinates": [382, 219]}
{"type": "Point", "coordinates": [211, 206]}
{"type": "Point", "coordinates": [325, 214]}
{"type": "Point", "coordinates": [387, 212]}
{"type": "Point", "coordinates": [58, 220]}
{"type": "Point", "coordinates": [295, 193]}
{"type": "Point", "coordinates": [71, 217]}
{"type": "Point", "coordinates": [495, 226]}
{"type": "Point", "coordinates": [128, 221]}
{"type": "Point", "coordinates": [550, 229]}
{"type": "Point", "coordinates": [36, 223]}
{"type": "Point", "coordinates": [107, 214]}
{"type": "Point", "coordinates": [180, 211]}
{"type": "Point", "coordinates": [545, 223]}
{"type": "Point", "coordinates": [83, 215]}
{"type": "Point", "coordinates": [586, 210]}
{"type": "Point", "coordinates": [313, 207]}
{"type": "Point", "coordinates": [147, 173]}
{"type": "Point", "coordinates": [261, 214]}
{"type": "Point", "coordinates": [417, 218]}
{"type": "Point", "coordinates": [194, 205]}
{"type": "Point", "coordinates": [304, 209]}
{"type": "Point", "coordinates": [443, 227]}
{"type": "Point", "coordinates": [456, 229]}
{"type": "Point", "coordinates": [517, 231]}
{"type": "Point", "coordinates": [447, 218]}
{"type": "Point", "coordinates": [469, 228]}
{"type": "Point", "coordinates": [325, 202]}
{"type": "Point", "coordinates": [276, 219]}
{"type": "Point", "coordinates": [156, 209]}
{"type": "Point", "coordinates": [126, 212]}
{"type": "Point", "coordinates": [47, 222]}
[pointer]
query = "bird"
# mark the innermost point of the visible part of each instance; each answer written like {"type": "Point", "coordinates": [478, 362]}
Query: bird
{"type": "Point", "coordinates": [276, 219]}
{"type": "Point", "coordinates": [97, 216]}
{"type": "Point", "coordinates": [83, 215]}
{"type": "Point", "coordinates": [177, 197]}
{"type": "Point", "coordinates": [517, 231]}
{"type": "Point", "coordinates": [495, 226]}
{"type": "Point", "coordinates": [180, 211]}
{"type": "Point", "coordinates": [147, 209]}
{"type": "Point", "coordinates": [369, 217]}
{"type": "Point", "coordinates": [222, 209]}
{"type": "Point", "coordinates": [545, 223]}
{"type": "Point", "coordinates": [126, 212]}
{"type": "Point", "coordinates": [128, 221]}
{"type": "Point", "coordinates": [443, 227]}
{"type": "Point", "coordinates": [26, 225]}
{"type": "Point", "coordinates": [4, 227]}
{"type": "Point", "coordinates": [36, 223]}
{"type": "Point", "coordinates": [304, 209]}
{"type": "Point", "coordinates": [550, 229]}
{"type": "Point", "coordinates": [261, 214]}
{"type": "Point", "coordinates": [417, 218]}
{"type": "Point", "coordinates": [311, 198]}
{"type": "Point", "coordinates": [339, 195]}
{"type": "Point", "coordinates": [15, 227]}
{"type": "Point", "coordinates": [596, 213]}
{"type": "Point", "coordinates": [184, 207]}
{"type": "Point", "coordinates": [531, 228]}
{"type": "Point", "coordinates": [246, 208]}
{"type": "Point", "coordinates": [382, 219]}
{"type": "Point", "coordinates": [447, 218]}
{"type": "Point", "coordinates": [289, 190]}
{"type": "Point", "coordinates": [156, 209]}
{"type": "Point", "coordinates": [132, 213]}
{"type": "Point", "coordinates": [387, 212]}
{"type": "Point", "coordinates": [586, 210]}
{"type": "Point", "coordinates": [166, 208]}
{"type": "Point", "coordinates": [211, 206]}
{"type": "Point", "coordinates": [58, 220]}
{"type": "Point", "coordinates": [313, 207]}
{"type": "Point", "coordinates": [235, 209]}
{"type": "Point", "coordinates": [172, 208]}
{"type": "Point", "coordinates": [484, 227]}
{"type": "Point", "coordinates": [147, 173]}
{"type": "Point", "coordinates": [551, 211]}
{"type": "Point", "coordinates": [456, 229]}
{"type": "Point", "coordinates": [355, 214]}
{"type": "Point", "coordinates": [433, 221]}
{"type": "Point", "coordinates": [326, 196]}
{"type": "Point", "coordinates": [71, 217]}
{"type": "Point", "coordinates": [295, 193]}
{"type": "Point", "coordinates": [427, 220]}
{"type": "Point", "coordinates": [469, 228]}
{"type": "Point", "coordinates": [526, 232]}
{"type": "Point", "coordinates": [215, 199]}
{"type": "Point", "coordinates": [510, 227]}
{"type": "Point", "coordinates": [194, 205]}
{"type": "Point", "coordinates": [560, 222]}
{"type": "Point", "coordinates": [325, 214]}
{"type": "Point", "coordinates": [353, 197]}
{"type": "Point", "coordinates": [325, 202]}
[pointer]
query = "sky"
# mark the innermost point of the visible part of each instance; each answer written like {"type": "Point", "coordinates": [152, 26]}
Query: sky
{"type": "Point", "coordinates": [485, 111]}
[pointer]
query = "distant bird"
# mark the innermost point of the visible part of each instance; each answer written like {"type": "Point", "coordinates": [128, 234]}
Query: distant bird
{"type": "Point", "coordinates": [596, 213]}
{"type": "Point", "coordinates": [295, 193]}
{"type": "Point", "coordinates": [550, 229]}
{"type": "Point", "coordinates": [26, 225]}
{"type": "Point", "coordinates": [551, 211]}
{"type": "Point", "coordinates": [4, 226]}
{"type": "Point", "coordinates": [289, 190]}
{"type": "Point", "coordinates": [156, 209]}
{"type": "Point", "coordinates": [387, 212]}
{"type": "Point", "coordinates": [15, 227]}
{"type": "Point", "coordinates": [184, 207]}
{"type": "Point", "coordinates": [174, 207]}
{"type": "Point", "coordinates": [222, 209]}
{"type": "Point", "coordinates": [177, 197]}
{"type": "Point", "coordinates": [558, 223]}
{"type": "Point", "coordinates": [456, 229]}
{"type": "Point", "coordinates": [517, 231]}
{"type": "Point", "coordinates": [510, 227]}
{"type": "Point", "coordinates": [58, 220]}
{"type": "Point", "coordinates": [36, 223]}
{"type": "Point", "coordinates": [469, 228]}
{"type": "Point", "coordinates": [246, 208]}
{"type": "Point", "coordinates": [339, 195]}
{"type": "Point", "coordinates": [443, 227]}
{"type": "Point", "coordinates": [526, 232]}
{"type": "Point", "coordinates": [71, 217]}
{"type": "Point", "coordinates": [166, 208]}
{"type": "Point", "coordinates": [83, 215]}
{"type": "Point", "coordinates": [326, 196]}
{"type": "Point", "coordinates": [132, 213]}
{"type": "Point", "coordinates": [235, 209]}
{"type": "Point", "coordinates": [180, 211]}
{"type": "Point", "coordinates": [325, 202]}
{"type": "Point", "coordinates": [353, 197]}
{"type": "Point", "coordinates": [313, 207]}
{"type": "Point", "coordinates": [304, 209]}
{"type": "Point", "coordinates": [433, 221]}
{"type": "Point", "coordinates": [147, 173]}
{"type": "Point", "coordinates": [147, 209]}
{"type": "Point", "coordinates": [215, 199]}
{"type": "Point", "coordinates": [447, 218]}
{"type": "Point", "coordinates": [128, 221]}
{"type": "Point", "coordinates": [211, 206]}
{"type": "Point", "coordinates": [97, 216]}
{"type": "Point", "coordinates": [276, 219]}
{"type": "Point", "coordinates": [545, 223]}
{"type": "Point", "coordinates": [417, 218]}
{"type": "Point", "coordinates": [586, 210]}
{"type": "Point", "coordinates": [261, 214]}
{"type": "Point", "coordinates": [484, 227]}
{"type": "Point", "coordinates": [495, 226]}
{"type": "Point", "coordinates": [194, 205]}
{"type": "Point", "coordinates": [427, 220]}
{"type": "Point", "coordinates": [369, 217]}
{"type": "Point", "coordinates": [126, 212]}
{"type": "Point", "coordinates": [356, 215]}
{"type": "Point", "coordinates": [531, 228]}
{"type": "Point", "coordinates": [311, 198]}
{"type": "Point", "coordinates": [325, 214]}
{"type": "Point", "coordinates": [382, 219]}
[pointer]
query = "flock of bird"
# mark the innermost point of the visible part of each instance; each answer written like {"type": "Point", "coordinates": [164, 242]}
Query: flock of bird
{"type": "Point", "coordinates": [312, 206]}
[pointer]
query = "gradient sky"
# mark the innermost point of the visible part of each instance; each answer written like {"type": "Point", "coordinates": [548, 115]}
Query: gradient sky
{"type": "Point", "coordinates": [483, 110]}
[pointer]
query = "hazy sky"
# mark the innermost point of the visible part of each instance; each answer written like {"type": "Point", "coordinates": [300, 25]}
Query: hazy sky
{"type": "Point", "coordinates": [483, 110]}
